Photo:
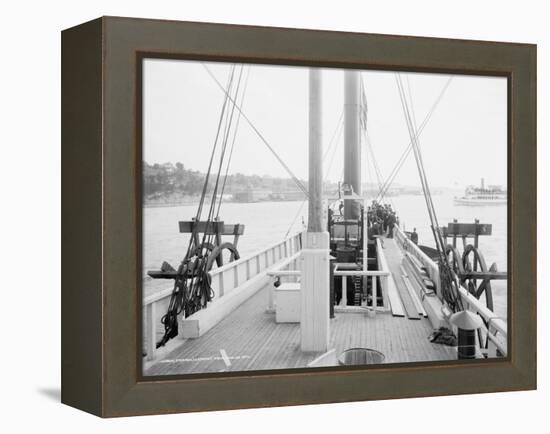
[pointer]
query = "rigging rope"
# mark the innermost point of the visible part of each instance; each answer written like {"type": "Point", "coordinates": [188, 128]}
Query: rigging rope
{"type": "Point", "coordinates": [192, 284]}
{"type": "Point", "coordinates": [375, 165]}
{"type": "Point", "coordinates": [335, 134]}
{"type": "Point", "coordinates": [298, 183]}
{"type": "Point", "coordinates": [399, 164]}
{"type": "Point", "coordinates": [234, 139]}
{"type": "Point", "coordinates": [368, 142]}
{"type": "Point", "coordinates": [449, 284]}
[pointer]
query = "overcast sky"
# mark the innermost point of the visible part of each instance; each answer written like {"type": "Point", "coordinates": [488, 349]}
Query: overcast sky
{"type": "Point", "coordinates": [464, 140]}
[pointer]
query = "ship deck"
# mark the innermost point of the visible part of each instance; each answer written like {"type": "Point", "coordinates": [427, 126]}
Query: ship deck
{"type": "Point", "coordinates": [250, 339]}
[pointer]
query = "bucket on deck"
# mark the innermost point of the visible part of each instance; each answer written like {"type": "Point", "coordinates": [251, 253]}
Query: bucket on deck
{"type": "Point", "coordinates": [361, 356]}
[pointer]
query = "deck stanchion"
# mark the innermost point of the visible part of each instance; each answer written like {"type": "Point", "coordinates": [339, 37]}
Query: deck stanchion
{"type": "Point", "coordinates": [374, 303]}
{"type": "Point", "coordinates": [344, 298]}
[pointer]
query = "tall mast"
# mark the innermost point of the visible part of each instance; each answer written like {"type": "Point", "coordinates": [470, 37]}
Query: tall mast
{"type": "Point", "coordinates": [315, 181]}
{"type": "Point", "coordinates": [314, 285]}
{"type": "Point", "coordinates": [352, 141]}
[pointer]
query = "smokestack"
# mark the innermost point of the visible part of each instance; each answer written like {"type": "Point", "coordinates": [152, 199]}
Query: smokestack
{"type": "Point", "coordinates": [352, 141]}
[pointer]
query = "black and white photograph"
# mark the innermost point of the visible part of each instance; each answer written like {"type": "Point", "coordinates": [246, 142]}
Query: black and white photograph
{"type": "Point", "coordinates": [298, 217]}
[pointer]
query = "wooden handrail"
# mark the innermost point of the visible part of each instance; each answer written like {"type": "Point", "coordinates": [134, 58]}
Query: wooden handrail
{"type": "Point", "coordinates": [157, 296]}
{"type": "Point", "coordinates": [164, 293]}
{"type": "Point", "coordinates": [431, 266]}
{"type": "Point", "coordinates": [281, 273]}
{"type": "Point", "coordinates": [233, 264]}
{"type": "Point", "coordinates": [361, 273]}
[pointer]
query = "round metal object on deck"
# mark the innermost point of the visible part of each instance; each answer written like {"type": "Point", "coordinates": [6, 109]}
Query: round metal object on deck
{"type": "Point", "coordinates": [361, 356]}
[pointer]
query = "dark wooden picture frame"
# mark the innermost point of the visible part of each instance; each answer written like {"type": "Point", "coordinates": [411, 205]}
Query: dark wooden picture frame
{"type": "Point", "coordinates": [101, 216]}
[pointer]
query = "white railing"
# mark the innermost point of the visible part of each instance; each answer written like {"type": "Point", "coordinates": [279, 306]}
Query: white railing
{"type": "Point", "coordinates": [383, 266]}
{"type": "Point", "coordinates": [230, 276]}
{"type": "Point", "coordinates": [344, 270]}
{"type": "Point", "coordinates": [408, 246]}
{"type": "Point", "coordinates": [225, 280]}
{"type": "Point", "coordinates": [497, 330]}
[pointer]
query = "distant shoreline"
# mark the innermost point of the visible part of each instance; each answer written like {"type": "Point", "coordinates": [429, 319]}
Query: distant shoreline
{"type": "Point", "coordinates": [196, 200]}
{"type": "Point", "coordinates": [168, 204]}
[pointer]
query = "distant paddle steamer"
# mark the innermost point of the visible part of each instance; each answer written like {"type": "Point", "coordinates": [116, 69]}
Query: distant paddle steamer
{"type": "Point", "coordinates": [491, 195]}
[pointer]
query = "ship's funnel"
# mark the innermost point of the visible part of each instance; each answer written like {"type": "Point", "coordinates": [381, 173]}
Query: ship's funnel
{"type": "Point", "coordinates": [352, 142]}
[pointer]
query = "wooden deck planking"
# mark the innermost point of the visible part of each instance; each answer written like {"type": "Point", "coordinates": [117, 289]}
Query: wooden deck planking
{"type": "Point", "coordinates": [394, 258]}
{"type": "Point", "coordinates": [251, 333]}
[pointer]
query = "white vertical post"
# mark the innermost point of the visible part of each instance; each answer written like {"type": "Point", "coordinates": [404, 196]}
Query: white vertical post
{"type": "Point", "coordinates": [314, 316]}
{"type": "Point", "coordinates": [344, 299]}
{"type": "Point", "coordinates": [221, 287]}
{"type": "Point", "coordinates": [374, 291]}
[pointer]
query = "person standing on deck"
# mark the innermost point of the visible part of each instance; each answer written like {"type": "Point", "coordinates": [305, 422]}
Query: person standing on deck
{"type": "Point", "coordinates": [414, 236]}
{"type": "Point", "coordinates": [391, 224]}
{"type": "Point", "coordinates": [377, 227]}
{"type": "Point", "coordinates": [375, 231]}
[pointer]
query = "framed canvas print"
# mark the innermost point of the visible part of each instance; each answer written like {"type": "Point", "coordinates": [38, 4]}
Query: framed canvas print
{"type": "Point", "coordinates": [261, 216]}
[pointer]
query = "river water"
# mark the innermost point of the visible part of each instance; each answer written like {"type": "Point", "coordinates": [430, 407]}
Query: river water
{"type": "Point", "coordinates": [268, 222]}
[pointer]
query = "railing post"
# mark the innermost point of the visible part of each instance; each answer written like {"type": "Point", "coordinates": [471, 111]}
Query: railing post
{"type": "Point", "coordinates": [221, 288]}
{"type": "Point", "coordinates": [374, 292]}
{"type": "Point", "coordinates": [150, 313]}
{"type": "Point", "coordinates": [331, 283]}
{"type": "Point", "coordinates": [344, 299]}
